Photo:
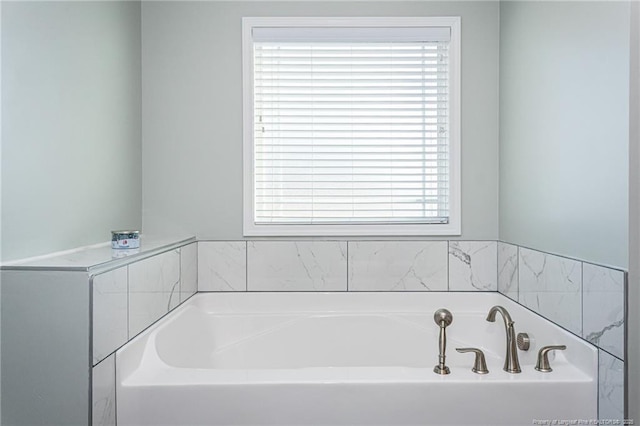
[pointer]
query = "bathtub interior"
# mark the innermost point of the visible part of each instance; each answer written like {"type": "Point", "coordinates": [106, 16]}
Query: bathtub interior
{"type": "Point", "coordinates": [346, 359]}
{"type": "Point", "coordinates": [303, 331]}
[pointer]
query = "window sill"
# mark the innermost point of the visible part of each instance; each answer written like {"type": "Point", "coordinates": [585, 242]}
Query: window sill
{"type": "Point", "coordinates": [422, 230]}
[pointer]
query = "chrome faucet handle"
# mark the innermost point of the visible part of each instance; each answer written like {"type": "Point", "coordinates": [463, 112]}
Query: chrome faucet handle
{"type": "Point", "coordinates": [479, 365]}
{"type": "Point", "coordinates": [543, 357]}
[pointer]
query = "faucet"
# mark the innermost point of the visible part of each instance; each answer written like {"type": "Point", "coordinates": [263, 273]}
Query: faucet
{"type": "Point", "coordinates": [511, 363]}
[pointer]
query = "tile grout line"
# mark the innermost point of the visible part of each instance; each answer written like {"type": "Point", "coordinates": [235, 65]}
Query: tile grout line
{"type": "Point", "coordinates": [598, 387]}
{"type": "Point", "coordinates": [348, 263]}
{"type": "Point", "coordinates": [115, 388]}
{"type": "Point", "coordinates": [246, 266]}
{"type": "Point", "coordinates": [128, 305]}
{"type": "Point", "coordinates": [582, 298]}
{"type": "Point", "coordinates": [448, 262]}
{"type": "Point", "coordinates": [91, 367]}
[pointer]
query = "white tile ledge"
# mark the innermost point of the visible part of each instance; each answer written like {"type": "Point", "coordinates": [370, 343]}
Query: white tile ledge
{"type": "Point", "coordinates": [97, 258]}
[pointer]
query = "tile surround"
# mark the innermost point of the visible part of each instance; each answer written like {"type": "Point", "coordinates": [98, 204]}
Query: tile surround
{"type": "Point", "coordinates": [222, 266]}
{"type": "Point", "coordinates": [552, 286]}
{"type": "Point", "coordinates": [297, 266]}
{"type": "Point", "coordinates": [519, 273]}
{"type": "Point", "coordinates": [103, 389]}
{"type": "Point", "coordinates": [472, 266]}
{"type": "Point", "coordinates": [602, 290]}
{"type": "Point", "coordinates": [508, 270]}
{"type": "Point", "coordinates": [603, 308]}
{"type": "Point", "coordinates": [398, 266]}
{"type": "Point", "coordinates": [188, 271]}
{"type": "Point", "coordinates": [556, 287]}
{"type": "Point", "coordinates": [610, 387]}
{"type": "Point", "coordinates": [154, 287]}
{"type": "Point", "coordinates": [110, 307]}
{"type": "Point", "coordinates": [91, 287]}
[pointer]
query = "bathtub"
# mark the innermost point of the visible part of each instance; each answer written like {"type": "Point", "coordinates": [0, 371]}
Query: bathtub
{"type": "Point", "coordinates": [346, 359]}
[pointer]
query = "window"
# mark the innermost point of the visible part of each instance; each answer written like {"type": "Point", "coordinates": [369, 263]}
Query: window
{"type": "Point", "coordinates": [351, 126]}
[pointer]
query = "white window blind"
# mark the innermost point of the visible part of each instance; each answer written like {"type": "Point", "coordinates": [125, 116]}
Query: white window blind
{"type": "Point", "coordinates": [351, 125]}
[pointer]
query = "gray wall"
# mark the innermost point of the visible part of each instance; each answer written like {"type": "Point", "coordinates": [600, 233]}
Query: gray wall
{"type": "Point", "coordinates": [71, 149]}
{"type": "Point", "coordinates": [564, 82]}
{"type": "Point", "coordinates": [192, 108]}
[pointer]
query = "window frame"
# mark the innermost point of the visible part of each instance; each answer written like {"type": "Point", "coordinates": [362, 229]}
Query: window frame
{"type": "Point", "coordinates": [452, 228]}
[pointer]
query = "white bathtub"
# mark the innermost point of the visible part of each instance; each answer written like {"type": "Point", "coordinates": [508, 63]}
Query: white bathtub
{"type": "Point", "coordinates": [346, 359]}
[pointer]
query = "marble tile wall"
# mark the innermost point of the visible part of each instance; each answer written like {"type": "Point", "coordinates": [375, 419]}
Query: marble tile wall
{"type": "Point", "coordinates": [610, 388]}
{"type": "Point", "coordinates": [297, 266]}
{"type": "Point", "coordinates": [347, 266]}
{"type": "Point", "coordinates": [603, 306]}
{"type": "Point", "coordinates": [508, 270]}
{"type": "Point", "coordinates": [188, 271]}
{"type": "Point", "coordinates": [128, 299]}
{"type": "Point", "coordinates": [473, 265]}
{"type": "Point", "coordinates": [552, 286]}
{"type": "Point", "coordinates": [154, 288]}
{"type": "Point", "coordinates": [103, 393]}
{"type": "Point", "coordinates": [110, 312]}
{"type": "Point", "coordinates": [222, 266]}
{"type": "Point", "coordinates": [586, 299]}
{"type": "Point", "coordinates": [398, 266]}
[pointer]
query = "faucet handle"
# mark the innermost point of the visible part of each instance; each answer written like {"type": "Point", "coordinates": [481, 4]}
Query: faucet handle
{"type": "Point", "coordinates": [524, 341]}
{"type": "Point", "coordinates": [479, 365]}
{"type": "Point", "coordinates": [543, 357]}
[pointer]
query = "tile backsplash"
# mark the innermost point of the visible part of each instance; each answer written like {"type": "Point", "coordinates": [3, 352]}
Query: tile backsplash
{"type": "Point", "coordinates": [103, 393]}
{"type": "Point", "coordinates": [508, 270]}
{"type": "Point", "coordinates": [110, 312]}
{"type": "Point", "coordinates": [610, 387]}
{"type": "Point", "coordinates": [398, 266]}
{"type": "Point", "coordinates": [153, 289]}
{"type": "Point", "coordinates": [586, 299]}
{"type": "Point", "coordinates": [347, 265]}
{"type": "Point", "coordinates": [552, 286]}
{"type": "Point", "coordinates": [222, 266]}
{"type": "Point", "coordinates": [128, 299]}
{"type": "Point", "coordinates": [473, 265]}
{"type": "Point", "coordinates": [297, 266]}
{"type": "Point", "coordinates": [603, 307]}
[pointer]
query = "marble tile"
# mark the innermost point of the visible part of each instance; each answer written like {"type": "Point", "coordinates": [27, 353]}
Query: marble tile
{"type": "Point", "coordinates": [551, 286]}
{"type": "Point", "coordinates": [188, 271]}
{"type": "Point", "coordinates": [508, 270]}
{"type": "Point", "coordinates": [154, 286]}
{"type": "Point", "coordinates": [397, 265]}
{"type": "Point", "coordinates": [610, 387]}
{"type": "Point", "coordinates": [297, 266]}
{"type": "Point", "coordinates": [473, 265]}
{"type": "Point", "coordinates": [603, 308]}
{"type": "Point", "coordinates": [222, 266]}
{"type": "Point", "coordinates": [109, 312]}
{"type": "Point", "coordinates": [104, 393]}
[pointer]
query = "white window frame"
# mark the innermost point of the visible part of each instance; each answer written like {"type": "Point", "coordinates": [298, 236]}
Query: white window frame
{"type": "Point", "coordinates": [452, 228]}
